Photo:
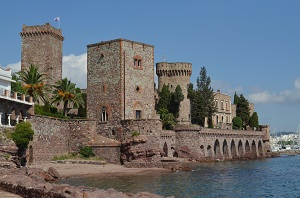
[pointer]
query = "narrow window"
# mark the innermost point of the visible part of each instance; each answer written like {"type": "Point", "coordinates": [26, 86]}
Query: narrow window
{"type": "Point", "coordinates": [137, 61]}
{"type": "Point", "coordinates": [104, 115]}
{"type": "Point", "coordinates": [138, 114]}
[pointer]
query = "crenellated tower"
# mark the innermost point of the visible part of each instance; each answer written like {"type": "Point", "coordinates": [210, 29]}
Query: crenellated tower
{"type": "Point", "coordinates": [42, 46]}
{"type": "Point", "coordinates": [174, 74]}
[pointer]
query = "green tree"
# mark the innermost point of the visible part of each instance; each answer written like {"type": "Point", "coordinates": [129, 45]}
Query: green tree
{"type": "Point", "coordinates": [237, 123]}
{"type": "Point", "coordinates": [202, 102]}
{"type": "Point", "coordinates": [164, 98]}
{"type": "Point", "coordinates": [168, 119]}
{"type": "Point", "coordinates": [253, 122]}
{"type": "Point", "coordinates": [33, 83]}
{"type": "Point", "coordinates": [65, 91]}
{"type": "Point", "coordinates": [235, 98]}
{"type": "Point", "coordinates": [17, 85]}
{"type": "Point", "coordinates": [243, 110]}
{"type": "Point", "coordinates": [22, 135]}
{"type": "Point", "coordinates": [176, 98]}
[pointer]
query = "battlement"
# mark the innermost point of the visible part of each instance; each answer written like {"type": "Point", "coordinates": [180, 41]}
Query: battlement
{"type": "Point", "coordinates": [173, 69]}
{"type": "Point", "coordinates": [40, 30]}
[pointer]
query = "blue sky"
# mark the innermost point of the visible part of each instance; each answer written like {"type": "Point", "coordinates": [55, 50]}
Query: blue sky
{"type": "Point", "coordinates": [249, 47]}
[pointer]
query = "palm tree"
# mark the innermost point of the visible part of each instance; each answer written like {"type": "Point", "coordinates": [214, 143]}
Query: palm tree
{"type": "Point", "coordinates": [33, 83]}
{"type": "Point", "coordinates": [65, 91]}
{"type": "Point", "coordinates": [167, 119]}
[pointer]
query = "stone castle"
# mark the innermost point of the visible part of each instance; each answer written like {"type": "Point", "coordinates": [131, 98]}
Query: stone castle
{"type": "Point", "coordinates": [121, 100]}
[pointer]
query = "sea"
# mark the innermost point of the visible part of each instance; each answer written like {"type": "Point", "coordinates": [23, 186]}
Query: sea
{"type": "Point", "coordinates": [269, 177]}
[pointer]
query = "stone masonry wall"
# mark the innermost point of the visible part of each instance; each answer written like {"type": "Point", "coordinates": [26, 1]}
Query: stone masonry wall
{"type": "Point", "coordinates": [57, 137]}
{"type": "Point", "coordinates": [42, 46]}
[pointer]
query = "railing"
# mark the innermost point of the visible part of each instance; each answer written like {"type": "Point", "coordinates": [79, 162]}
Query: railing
{"type": "Point", "coordinates": [16, 95]}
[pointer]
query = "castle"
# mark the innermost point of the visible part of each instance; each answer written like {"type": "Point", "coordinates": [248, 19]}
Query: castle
{"type": "Point", "coordinates": [121, 100]}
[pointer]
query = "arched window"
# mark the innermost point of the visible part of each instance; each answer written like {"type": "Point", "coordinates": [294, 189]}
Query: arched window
{"type": "Point", "coordinates": [104, 115]}
{"type": "Point", "coordinates": [137, 61]}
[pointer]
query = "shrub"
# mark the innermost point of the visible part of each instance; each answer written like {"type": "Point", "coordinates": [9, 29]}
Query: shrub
{"type": "Point", "coordinates": [22, 135]}
{"type": "Point", "coordinates": [135, 133]}
{"type": "Point", "coordinates": [87, 152]}
{"type": "Point", "coordinates": [237, 123]}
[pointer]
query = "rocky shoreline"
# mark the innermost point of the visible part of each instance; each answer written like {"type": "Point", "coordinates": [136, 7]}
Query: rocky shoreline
{"type": "Point", "coordinates": [33, 182]}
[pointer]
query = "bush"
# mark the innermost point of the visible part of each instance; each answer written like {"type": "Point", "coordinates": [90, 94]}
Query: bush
{"type": "Point", "coordinates": [237, 123]}
{"type": "Point", "coordinates": [135, 133]}
{"type": "Point", "coordinates": [87, 152]}
{"type": "Point", "coordinates": [22, 135]}
{"type": "Point", "coordinates": [48, 111]}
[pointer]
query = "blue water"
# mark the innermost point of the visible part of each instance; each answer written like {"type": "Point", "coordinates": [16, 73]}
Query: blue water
{"type": "Point", "coordinates": [273, 177]}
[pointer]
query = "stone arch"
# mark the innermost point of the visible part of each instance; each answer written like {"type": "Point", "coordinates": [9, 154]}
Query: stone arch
{"type": "Point", "coordinates": [165, 149]}
{"type": "Point", "coordinates": [225, 149]}
{"type": "Point", "coordinates": [240, 149]}
{"type": "Point", "coordinates": [202, 151]}
{"type": "Point", "coordinates": [247, 148]}
{"type": "Point", "coordinates": [260, 149]}
{"type": "Point", "coordinates": [209, 151]}
{"type": "Point", "coordinates": [253, 149]}
{"type": "Point", "coordinates": [233, 150]}
{"type": "Point", "coordinates": [217, 150]}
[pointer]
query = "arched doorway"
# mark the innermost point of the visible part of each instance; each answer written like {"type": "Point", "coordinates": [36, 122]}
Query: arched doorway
{"type": "Point", "coordinates": [217, 148]}
{"type": "Point", "coordinates": [233, 150]}
{"type": "Point", "coordinates": [165, 149]}
{"type": "Point", "coordinates": [260, 149]}
{"type": "Point", "coordinates": [253, 149]}
{"type": "Point", "coordinates": [247, 149]}
{"type": "Point", "coordinates": [209, 151]}
{"type": "Point", "coordinates": [225, 149]}
{"type": "Point", "coordinates": [240, 149]}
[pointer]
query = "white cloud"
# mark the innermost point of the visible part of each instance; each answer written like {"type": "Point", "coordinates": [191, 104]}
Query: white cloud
{"type": "Point", "coordinates": [75, 69]}
{"type": "Point", "coordinates": [15, 67]}
{"type": "Point", "coordinates": [286, 96]}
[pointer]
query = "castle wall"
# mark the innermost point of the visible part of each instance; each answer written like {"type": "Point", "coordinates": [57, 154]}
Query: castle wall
{"type": "Point", "coordinates": [174, 74]}
{"type": "Point", "coordinates": [42, 46]}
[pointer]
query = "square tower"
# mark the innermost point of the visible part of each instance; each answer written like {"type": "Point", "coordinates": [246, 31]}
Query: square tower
{"type": "Point", "coordinates": [42, 46]}
{"type": "Point", "coordinates": [120, 80]}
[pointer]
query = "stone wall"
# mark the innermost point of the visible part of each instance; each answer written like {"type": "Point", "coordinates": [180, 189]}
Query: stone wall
{"type": "Point", "coordinates": [42, 46]}
{"type": "Point", "coordinates": [57, 137]}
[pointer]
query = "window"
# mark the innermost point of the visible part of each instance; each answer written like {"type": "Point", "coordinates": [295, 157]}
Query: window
{"type": "Point", "coordinates": [137, 61]}
{"type": "Point", "coordinates": [138, 114]}
{"type": "Point", "coordinates": [104, 115]}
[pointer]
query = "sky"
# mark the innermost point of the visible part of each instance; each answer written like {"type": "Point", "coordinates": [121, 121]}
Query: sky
{"type": "Point", "coordinates": [250, 47]}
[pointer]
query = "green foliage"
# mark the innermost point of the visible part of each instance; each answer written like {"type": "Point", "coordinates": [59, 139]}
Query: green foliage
{"type": "Point", "coordinates": [65, 91]}
{"type": "Point", "coordinates": [168, 119]}
{"type": "Point", "coordinates": [34, 83]}
{"type": "Point", "coordinates": [202, 100]}
{"type": "Point", "coordinates": [253, 122]}
{"type": "Point", "coordinates": [235, 98]}
{"type": "Point", "coordinates": [17, 85]}
{"type": "Point", "coordinates": [39, 110]}
{"type": "Point", "coordinates": [22, 135]}
{"type": "Point", "coordinates": [243, 110]}
{"type": "Point", "coordinates": [82, 109]}
{"type": "Point", "coordinates": [135, 133]}
{"type": "Point", "coordinates": [164, 98]}
{"type": "Point", "coordinates": [176, 98]}
{"type": "Point", "coordinates": [87, 152]}
{"type": "Point", "coordinates": [237, 123]}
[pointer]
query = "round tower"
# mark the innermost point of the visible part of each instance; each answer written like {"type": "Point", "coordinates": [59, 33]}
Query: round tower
{"type": "Point", "coordinates": [174, 74]}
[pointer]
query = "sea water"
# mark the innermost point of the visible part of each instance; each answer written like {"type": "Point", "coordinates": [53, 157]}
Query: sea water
{"type": "Point", "coordinates": [271, 177]}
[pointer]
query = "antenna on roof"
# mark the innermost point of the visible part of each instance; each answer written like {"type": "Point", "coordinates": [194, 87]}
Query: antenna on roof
{"type": "Point", "coordinates": [164, 57]}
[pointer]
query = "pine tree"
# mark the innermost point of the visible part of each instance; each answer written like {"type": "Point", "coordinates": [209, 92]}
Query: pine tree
{"type": "Point", "coordinates": [176, 98]}
{"type": "Point", "coordinates": [253, 122]}
{"type": "Point", "coordinates": [243, 110]}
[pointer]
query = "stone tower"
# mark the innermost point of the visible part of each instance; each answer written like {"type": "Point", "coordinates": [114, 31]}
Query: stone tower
{"type": "Point", "coordinates": [120, 80]}
{"type": "Point", "coordinates": [42, 46]}
{"type": "Point", "coordinates": [174, 74]}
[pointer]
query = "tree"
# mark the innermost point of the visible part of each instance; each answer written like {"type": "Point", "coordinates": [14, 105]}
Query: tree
{"type": "Point", "coordinates": [168, 119]}
{"type": "Point", "coordinates": [176, 98]}
{"type": "Point", "coordinates": [237, 123]}
{"type": "Point", "coordinates": [202, 101]}
{"type": "Point", "coordinates": [253, 121]}
{"type": "Point", "coordinates": [164, 98]}
{"type": "Point", "coordinates": [235, 98]}
{"type": "Point", "coordinates": [243, 110]}
{"type": "Point", "coordinates": [33, 83]}
{"type": "Point", "coordinates": [17, 85]}
{"type": "Point", "coordinates": [65, 91]}
{"type": "Point", "coordinates": [22, 135]}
